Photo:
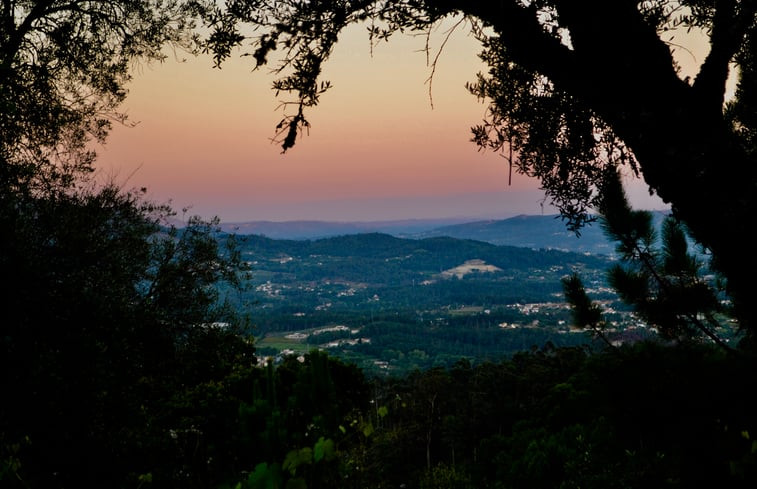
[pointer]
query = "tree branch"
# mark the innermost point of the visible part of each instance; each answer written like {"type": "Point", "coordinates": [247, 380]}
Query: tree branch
{"type": "Point", "coordinates": [521, 31]}
{"type": "Point", "coordinates": [648, 263]}
{"type": "Point", "coordinates": [633, 78]}
{"type": "Point", "coordinates": [614, 40]}
{"type": "Point", "coordinates": [8, 15]}
{"type": "Point", "coordinates": [729, 27]}
{"type": "Point", "coordinates": [37, 12]}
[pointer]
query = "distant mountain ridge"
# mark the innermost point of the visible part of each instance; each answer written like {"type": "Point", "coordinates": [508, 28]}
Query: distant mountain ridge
{"type": "Point", "coordinates": [548, 232]}
{"type": "Point", "coordinates": [528, 231]}
{"type": "Point", "coordinates": [324, 229]}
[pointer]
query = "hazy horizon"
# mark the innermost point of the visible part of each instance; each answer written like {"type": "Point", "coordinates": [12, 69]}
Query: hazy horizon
{"type": "Point", "coordinates": [471, 206]}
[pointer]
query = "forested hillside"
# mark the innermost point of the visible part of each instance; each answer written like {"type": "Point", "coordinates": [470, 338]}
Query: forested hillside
{"type": "Point", "coordinates": [392, 305]}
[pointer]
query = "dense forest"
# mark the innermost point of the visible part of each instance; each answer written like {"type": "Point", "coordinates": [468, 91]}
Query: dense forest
{"type": "Point", "coordinates": [125, 361]}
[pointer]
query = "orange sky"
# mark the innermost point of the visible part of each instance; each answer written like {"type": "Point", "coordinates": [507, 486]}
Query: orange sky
{"type": "Point", "coordinates": [376, 150]}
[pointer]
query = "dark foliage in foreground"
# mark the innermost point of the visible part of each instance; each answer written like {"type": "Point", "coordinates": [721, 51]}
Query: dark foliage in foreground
{"type": "Point", "coordinates": [643, 416]}
{"type": "Point", "coordinates": [110, 325]}
{"type": "Point", "coordinates": [647, 415]}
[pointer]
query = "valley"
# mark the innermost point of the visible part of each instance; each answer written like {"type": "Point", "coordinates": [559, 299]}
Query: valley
{"type": "Point", "coordinates": [391, 305]}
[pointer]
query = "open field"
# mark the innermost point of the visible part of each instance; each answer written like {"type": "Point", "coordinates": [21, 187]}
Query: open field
{"type": "Point", "coordinates": [470, 266]}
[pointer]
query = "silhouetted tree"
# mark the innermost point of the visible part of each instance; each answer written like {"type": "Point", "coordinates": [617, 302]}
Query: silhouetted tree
{"type": "Point", "coordinates": [63, 70]}
{"type": "Point", "coordinates": [112, 320]}
{"type": "Point", "coordinates": [657, 276]}
{"type": "Point", "coordinates": [101, 327]}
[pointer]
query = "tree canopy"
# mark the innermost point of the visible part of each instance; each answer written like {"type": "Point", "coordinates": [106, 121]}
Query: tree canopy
{"type": "Point", "coordinates": [113, 322]}
{"type": "Point", "coordinates": [576, 89]}
{"type": "Point", "coordinates": [63, 70]}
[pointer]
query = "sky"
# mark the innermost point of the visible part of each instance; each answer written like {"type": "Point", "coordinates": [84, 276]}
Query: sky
{"type": "Point", "coordinates": [377, 149]}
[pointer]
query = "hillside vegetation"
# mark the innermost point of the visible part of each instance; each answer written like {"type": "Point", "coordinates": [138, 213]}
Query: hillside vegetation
{"type": "Point", "coordinates": [403, 304]}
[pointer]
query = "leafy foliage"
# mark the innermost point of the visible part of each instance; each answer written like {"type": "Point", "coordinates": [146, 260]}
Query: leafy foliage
{"type": "Point", "coordinates": [586, 314]}
{"type": "Point", "coordinates": [117, 352]}
{"type": "Point", "coordinates": [63, 70]}
{"type": "Point", "coordinates": [558, 140]}
{"type": "Point", "coordinates": [641, 416]}
{"type": "Point", "coordinates": [665, 286]}
{"type": "Point", "coordinates": [88, 352]}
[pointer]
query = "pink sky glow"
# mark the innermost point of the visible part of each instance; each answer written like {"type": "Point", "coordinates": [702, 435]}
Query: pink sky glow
{"type": "Point", "coordinates": [377, 149]}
